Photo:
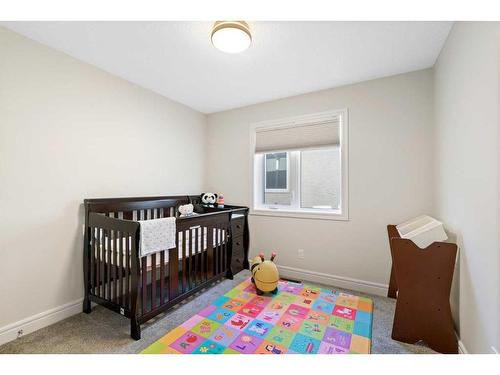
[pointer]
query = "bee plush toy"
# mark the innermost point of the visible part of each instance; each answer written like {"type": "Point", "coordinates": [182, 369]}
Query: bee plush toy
{"type": "Point", "coordinates": [265, 274]}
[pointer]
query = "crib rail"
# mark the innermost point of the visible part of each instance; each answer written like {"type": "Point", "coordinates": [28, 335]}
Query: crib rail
{"type": "Point", "coordinates": [111, 262]}
{"type": "Point", "coordinates": [140, 288]}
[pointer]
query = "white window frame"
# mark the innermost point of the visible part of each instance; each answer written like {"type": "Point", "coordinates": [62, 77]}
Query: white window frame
{"type": "Point", "coordinates": [342, 213]}
{"type": "Point", "coordinates": [287, 189]}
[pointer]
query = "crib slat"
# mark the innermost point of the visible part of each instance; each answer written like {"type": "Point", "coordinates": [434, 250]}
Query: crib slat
{"type": "Point", "coordinates": [162, 276]}
{"type": "Point", "coordinates": [92, 260]}
{"type": "Point", "coordinates": [226, 244]}
{"type": "Point", "coordinates": [108, 264]}
{"type": "Point", "coordinates": [173, 277]}
{"type": "Point", "coordinates": [195, 266]}
{"type": "Point", "coordinates": [210, 252]}
{"type": "Point", "coordinates": [190, 259]}
{"type": "Point", "coordinates": [222, 250]}
{"type": "Point", "coordinates": [216, 250]}
{"type": "Point", "coordinates": [183, 250]}
{"type": "Point", "coordinates": [115, 260]}
{"type": "Point", "coordinates": [102, 255]}
{"type": "Point", "coordinates": [144, 271]}
{"type": "Point", "coordinates": [205, 253]}
{"type": "Point", "coordinates": [97, 257]}
{"type": "Point", "coordinates": [119, 266]}
{"type": "Point", "coordinates": [103, 260]}
{"type": "Point", "coordinates": [153, 281]}
{"type": "Point", "coordinates": [128, 272]}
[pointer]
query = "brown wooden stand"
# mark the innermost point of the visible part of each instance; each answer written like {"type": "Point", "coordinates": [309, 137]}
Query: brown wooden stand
{"type": "Point", "coordinates": [422, 279]}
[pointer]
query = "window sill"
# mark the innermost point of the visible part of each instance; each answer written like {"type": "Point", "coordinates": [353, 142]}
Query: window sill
{"type": "Point", "coordinates": [302, 214]}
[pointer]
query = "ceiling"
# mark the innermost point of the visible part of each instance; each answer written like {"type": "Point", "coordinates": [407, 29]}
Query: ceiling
{"type": "Point", "coordinates": [177, 60]}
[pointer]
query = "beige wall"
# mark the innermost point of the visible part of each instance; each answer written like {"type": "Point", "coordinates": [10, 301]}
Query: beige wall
{"type": "Point", "coordinates": [467, 140]}
{"type": "Point", "coordinates": [390, 174]}
{"type": "Point", "coordinates": [69, 131]}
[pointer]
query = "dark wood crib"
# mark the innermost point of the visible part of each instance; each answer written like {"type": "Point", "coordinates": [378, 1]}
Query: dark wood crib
{"type": "Point", "coordinates": [116, 277]}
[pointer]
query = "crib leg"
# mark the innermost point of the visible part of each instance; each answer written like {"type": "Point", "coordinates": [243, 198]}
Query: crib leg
{"type": "Point", "coordinates": [135, 329]}
{"type": "Point", "coordinates": [229, 274]}
{"type": "Point", "coordinates": [86, 306]}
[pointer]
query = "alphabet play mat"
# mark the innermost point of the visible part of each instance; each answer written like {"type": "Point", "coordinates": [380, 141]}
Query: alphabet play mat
{"type": "Point", "coordinates": [300, 318]}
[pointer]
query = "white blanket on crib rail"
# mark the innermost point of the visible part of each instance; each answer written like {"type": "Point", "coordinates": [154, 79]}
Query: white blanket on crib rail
{"type": "Point", "coordinates": [157, 235]}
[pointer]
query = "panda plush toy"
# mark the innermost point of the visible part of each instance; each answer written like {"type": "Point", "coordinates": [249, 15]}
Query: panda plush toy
{"type": "Point", "coordinates": [208, 199]}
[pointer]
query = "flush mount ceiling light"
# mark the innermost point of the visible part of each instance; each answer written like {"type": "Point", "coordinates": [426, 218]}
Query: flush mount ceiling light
{"type": "Point", "coordinates": [231, 36]}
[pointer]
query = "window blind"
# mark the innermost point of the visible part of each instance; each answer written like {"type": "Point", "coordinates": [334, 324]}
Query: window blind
{"type": "Point", "coordinates": [302, 136]}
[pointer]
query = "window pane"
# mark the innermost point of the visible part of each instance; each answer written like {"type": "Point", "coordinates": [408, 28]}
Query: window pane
{"type": "Point", "coordinates": [276, 171]}
{"type": "Point", "coordinates": [277, 191]}
{"type": "Point", "coordinates": [320, 178]}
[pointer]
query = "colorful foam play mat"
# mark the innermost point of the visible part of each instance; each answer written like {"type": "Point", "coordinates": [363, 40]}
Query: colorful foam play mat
{"type": "Point", "coordinates": [299, 319]}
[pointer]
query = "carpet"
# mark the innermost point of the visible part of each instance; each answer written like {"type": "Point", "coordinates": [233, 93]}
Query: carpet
{"type": "Point", "coordinates": [299, 319]}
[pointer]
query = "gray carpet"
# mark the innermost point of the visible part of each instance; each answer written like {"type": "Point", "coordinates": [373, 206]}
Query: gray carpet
{"type": "Point", "coordinates": [103, 331]}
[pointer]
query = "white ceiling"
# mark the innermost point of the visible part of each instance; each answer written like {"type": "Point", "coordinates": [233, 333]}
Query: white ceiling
{"type": "Point", "coordinates": [177, 60]}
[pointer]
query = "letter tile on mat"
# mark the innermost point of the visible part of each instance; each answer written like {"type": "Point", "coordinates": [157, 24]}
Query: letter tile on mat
{"type": "Point", "coordinates": [270, 348]}
{"type": "Point", "coordinates": [281, 336]}
{"type": "Point", "coordinates": [337, 337]}
{"type": "Point", "coordinates": [304, 301]}
{"type": "Point", "coordinates": [246, 343]}
{"type": "Point", "coordinates": [260, 301]}
{"type": "Point", "coordinates": [270, 316]}
{"type": "Point", "coordinates": [365, 304]}
{"type": "Point", "coordinates": [232, 293]}
{"type": "Point", "coordinates": [360, 345]}
{"type": "Point", "coordinates": [250, 310]}
{"type": "Point", "coordinates": [187, 342]}
{"type": "Point", "coordinates": [323, 306]}
{"type": "Point", "coordinates": [277, 306]}
{"type": "Point", "coordinates": [245, 296]}
{"type": "Point", "coordinates": [225, 335]}
{"type": "Point", "coordinates": [347, 301]}
{"type": "Point", "coordinates": [326, 348]}
{"type": "Point", "coordinates": [300, 318]}
{"type": "Point", "coordinates": [258, 328]}
{"type": "Point", "coordinates": [344, 312]}
{"type": "Point", "coordinates": [286, 298]}
{"type": "Point", "coordinates": [205, 328]}
{"type": "Point", "coordinates": [221, 315]}
{"type": "Point", "coordinates": [292, 288]}
{"type": "Point", "coordinates": [238, 322]}
{"type": "Point", "coordinates": [173, 335]}
{"type": "Point", "coordinates": [304, 344]}
{"type": "Point", "coordinates": [314, 330]}
{"type": "Point", "coordinates": [343, 324]}
{"type": "Point", "coordinates": [289, 322]}
{"type": "Point", "coordinates": [318, 317]}
{"type": "Point", "coordinates": [209, 347]}
{"type": "Point", "coordinates": [297, 311]}
{"type": "Point", "coordinates": [233, 305]}
{"type": "Point", "coordinates": [220, 301]}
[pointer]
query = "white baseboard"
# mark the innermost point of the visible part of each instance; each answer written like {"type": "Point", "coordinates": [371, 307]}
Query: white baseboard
{"type": "Point", "coordinates": [338, 281]}
{"type": "Point", "coordinates": [33, 323]}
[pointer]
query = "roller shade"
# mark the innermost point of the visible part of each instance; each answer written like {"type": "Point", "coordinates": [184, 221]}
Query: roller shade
{"type": "Point", "coordinates": [298, 137]}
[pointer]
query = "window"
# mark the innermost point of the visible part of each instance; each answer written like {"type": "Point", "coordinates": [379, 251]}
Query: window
{"type": "Point", "coordinates": [300, 166]}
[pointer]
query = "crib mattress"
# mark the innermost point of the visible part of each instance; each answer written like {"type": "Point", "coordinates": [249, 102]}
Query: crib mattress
{"type": "Point", "coordinates": [188, 250]}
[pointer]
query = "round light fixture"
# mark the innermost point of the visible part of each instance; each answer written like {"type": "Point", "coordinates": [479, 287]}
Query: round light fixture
{"type": "Point", "coordinates": [231, 36]}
